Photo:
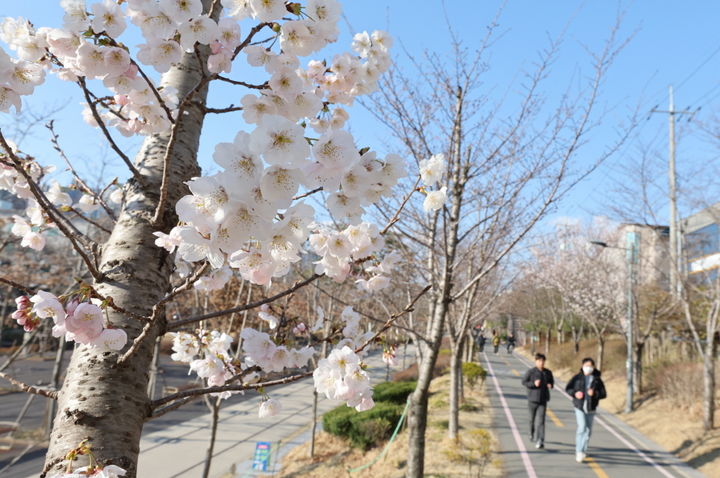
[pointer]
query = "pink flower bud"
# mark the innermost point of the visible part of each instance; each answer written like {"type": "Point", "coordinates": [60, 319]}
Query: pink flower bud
{"type": "Point", "coordinates": [122, 100]}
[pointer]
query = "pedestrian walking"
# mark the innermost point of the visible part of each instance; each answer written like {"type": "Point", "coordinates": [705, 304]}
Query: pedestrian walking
{"type": "Point", "coordinates": [587, 389]}
{"type": "Point", "coordinates": [539, 381]}
{"type": "Point", "coordinates": [496, 341]}
{"type": "Point", "coordinates": [478, 337]}
{"type": "Point", "coordinates": [481, 342]}
{"type": "Point", "coordinates": [510, 343]}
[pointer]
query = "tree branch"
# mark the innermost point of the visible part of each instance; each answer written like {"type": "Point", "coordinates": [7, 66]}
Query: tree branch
{"type": "Point", "coordinates": [298, 285]}
{"type": "Point", "coordinates": [43, 392]}
{"type": "Point", "coordinates": [98, 119]}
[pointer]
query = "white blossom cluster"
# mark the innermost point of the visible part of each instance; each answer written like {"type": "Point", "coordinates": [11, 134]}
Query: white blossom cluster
{"type": "Point", "coordinates": [431, 171]}
{"type": "Point", "coordinates": [245, 218]}
{"type": "Point", "coordinates": [35, 222]}
{"type": "Point", "coordinates": [262, 351]}
{"type": "Point", "coordinates": [341, 376]}
{"type": "Point", "coordinates": [82, 322]}
{"type": "Point", "coordinates": [208, 354]}
{"type": "Point", "coordinates": [338, 249]}
{"type": "Point", "coordinates": [109, 471]}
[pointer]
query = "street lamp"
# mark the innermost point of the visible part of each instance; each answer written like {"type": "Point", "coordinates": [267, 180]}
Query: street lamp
{"type": "Point", "coordinates": [632, 251]}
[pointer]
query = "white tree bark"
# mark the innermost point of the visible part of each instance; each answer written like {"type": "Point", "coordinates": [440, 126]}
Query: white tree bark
{"type": "Point", "coordinates": [100, 400]}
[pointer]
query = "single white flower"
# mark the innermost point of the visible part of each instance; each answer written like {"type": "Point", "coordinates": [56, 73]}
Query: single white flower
{"type": "Point", "coordinates": [269, 408]}
{"type": "Point", "coordinates": [110, 339]}
{"type": "Point", "coordinates": [108, 17]}
{"type": "Point", "coordinates": [202, 30]}
{"type": "Point", "coordinates": [435, 199]}
{"type": "Point", "coordinates": [431, 170]}
{"type": "Point", "coordinates": [280, 141]}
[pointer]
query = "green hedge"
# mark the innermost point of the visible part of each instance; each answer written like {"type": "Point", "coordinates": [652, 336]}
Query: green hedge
{"type": "Point", "coordinates": [394, 392]}
{"type": "Point", "coordinates": [370, 428]}
{"type": "Point", "coordinates": [473, 373]}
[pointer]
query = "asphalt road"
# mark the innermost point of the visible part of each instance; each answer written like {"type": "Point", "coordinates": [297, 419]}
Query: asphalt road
{"type": "Point", "coordinates": [616, 450]}
{"type": "Point", "coordinates": [38, 370]}
{"type": "Point", "coordinates": [175, 443]}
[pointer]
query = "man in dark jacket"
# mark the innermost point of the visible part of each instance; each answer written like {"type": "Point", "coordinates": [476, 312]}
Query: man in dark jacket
{"type": "Point", "coordinates": [538, 380]}
{"type": "Point", "coordinates": [587, 389]}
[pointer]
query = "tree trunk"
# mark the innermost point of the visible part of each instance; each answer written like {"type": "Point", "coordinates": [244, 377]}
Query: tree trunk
{"type": "Point", "coordinates": [601, 351]}
{"type": "Point", "coordinates": [709, 385]}
{"type": "Point", "coordinates": [547, 342]}
{"type": "Point", "coordinates": [576, 340]}
{"type": "Point", "coordinates": [455, 384]}
{"type": "Point", "coordinates": [100, 400]}
{"type": "Point", "coordinates": [417, 420]}
{"type": "Point", "coordinates": [215, 408]}
{"type": "Point", "coordinates": [638, 369]}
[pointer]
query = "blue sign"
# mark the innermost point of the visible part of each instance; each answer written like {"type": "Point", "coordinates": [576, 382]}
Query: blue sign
{"type": "Point", "coordinates": [261, 460]}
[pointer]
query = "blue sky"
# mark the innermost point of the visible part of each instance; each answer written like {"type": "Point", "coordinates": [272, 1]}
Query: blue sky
{"type": "Point", "coordinates": [674, 43]}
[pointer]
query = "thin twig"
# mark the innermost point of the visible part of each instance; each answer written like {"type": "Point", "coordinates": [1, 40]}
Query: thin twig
{"type": "Point", "coordinates": [50, 209]}
{"type": "Point", "coordinates": [43, 392]}
{"type": "Point", "coordinates": [93, 109]}
{"type": "Point", "coordinates": [10, 282]}
{"type": "Point", "coordinates": [396, 217]}
{"type": "Point", "coordinates": [186, 284]}
{"type": "Point", "coordinates": [169, 408]}
{"type": "Point", "coordinates": [228, 109]}
{"type": "Point", "coordinates": [394, 317]}
{"type": "Point", "coordinates": [298, 285]}
{"type": "Point", "coordinates": [306, 194]}
{"type": "Point", "coordinates": [19, 350]}
{"type": "Point", "coordinates": [155, 91]}
{"type": "Point", "coordinates": [225, 388]}
{"type": "Point", "coordinates": [55, 140]}
{"type": "Point", "coordinates": [110, 302]}
{"type": "Point", "coordinates": [136, 343]}
{"type": "Point", "coordinates": [263, 86]}
{"type": "Point", "coordinates": [87, 219]}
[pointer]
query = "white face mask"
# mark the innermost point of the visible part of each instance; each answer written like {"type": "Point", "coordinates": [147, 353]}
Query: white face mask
{"type": "Point", "coordinates": [588, 370]}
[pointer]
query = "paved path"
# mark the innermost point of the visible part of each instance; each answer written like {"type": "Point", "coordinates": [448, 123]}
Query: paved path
{"type": "Point", "coordinates": [616, 450]}
{"type": "Point", "coordinates": [179, 451]}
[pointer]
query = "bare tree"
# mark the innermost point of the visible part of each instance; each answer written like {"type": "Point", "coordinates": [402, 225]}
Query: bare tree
{"type": "Point", "coordinates": [503, 174]}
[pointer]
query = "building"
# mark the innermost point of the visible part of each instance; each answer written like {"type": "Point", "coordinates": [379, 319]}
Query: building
{"type": "Point", "coordinates": [653, 246]}
{"type": "Point", "coordinates": [701, 241]}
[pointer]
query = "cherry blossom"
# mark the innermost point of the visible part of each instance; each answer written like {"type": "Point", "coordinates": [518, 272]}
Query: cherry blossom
{"type": "Point", "coordinates": [435, 199]}
{"type": "Point", "coordinates": [431, 170]}
{"type": "Point", "coordinates": [269, 408]}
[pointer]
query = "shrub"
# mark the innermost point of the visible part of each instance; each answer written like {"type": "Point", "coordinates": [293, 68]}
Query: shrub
{"type": "Point", "coordinates": [469, 407]}
{"type": "Point", "coordinates": [363, 429]}
{"type": "Point", "coordinates": [681, 384]}
{"type": "Point", "coordinates": [473, 372]}
{"type": "Point", "coordinates": [337, 420]}
{"type": "Point", "coordinates": [393, 392]}
{"type": "Point", "coordinates": [371, 433]}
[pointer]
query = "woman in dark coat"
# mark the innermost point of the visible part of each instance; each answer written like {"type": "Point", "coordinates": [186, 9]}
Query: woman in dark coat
{"type": "Point", "coordinates": [587, 389]}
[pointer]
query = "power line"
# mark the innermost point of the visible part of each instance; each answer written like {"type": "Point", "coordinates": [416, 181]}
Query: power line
{"type": "Point", "coordinates": [664, 97]}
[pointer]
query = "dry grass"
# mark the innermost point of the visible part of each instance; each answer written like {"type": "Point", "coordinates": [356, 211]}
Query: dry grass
{"type": "Point", "coordinates": [683, 435]}
{"type": "Point", "coordinates": [444, 457]}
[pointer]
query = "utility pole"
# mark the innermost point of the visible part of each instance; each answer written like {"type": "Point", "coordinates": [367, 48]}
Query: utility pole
{"type": "Point", "coordinates": [672, 189]}
{"type": "Point", "coordinates": [632, 246]}
{"type": "Point", "coordinates": [676, 266]}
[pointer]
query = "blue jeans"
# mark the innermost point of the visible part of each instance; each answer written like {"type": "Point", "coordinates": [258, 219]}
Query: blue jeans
{"type": "Point", "coordinates": [584, 430]}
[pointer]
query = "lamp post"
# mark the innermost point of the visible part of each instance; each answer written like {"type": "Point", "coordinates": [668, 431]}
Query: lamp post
{"type": "Point", "coordinates": [632, 252]}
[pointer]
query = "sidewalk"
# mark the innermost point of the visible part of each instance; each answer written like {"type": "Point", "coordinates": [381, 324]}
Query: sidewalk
{"type": "Point", "coordinates": [179, 450]}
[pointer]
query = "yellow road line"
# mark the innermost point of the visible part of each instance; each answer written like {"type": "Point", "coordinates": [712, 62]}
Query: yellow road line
{"type": "Point", "coordinates": [515, 372]}
{"type": "Point", "coordinates": [555, 418]}
{"type": "Point", "coordinates": [596, 468]}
